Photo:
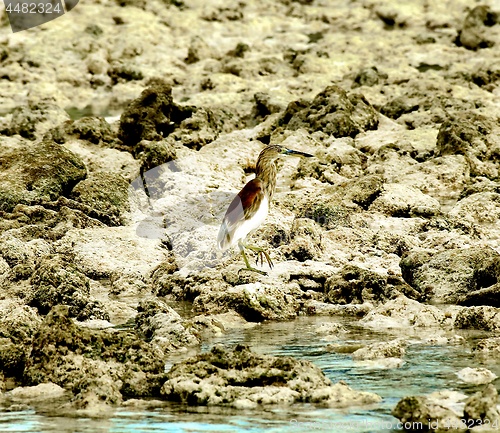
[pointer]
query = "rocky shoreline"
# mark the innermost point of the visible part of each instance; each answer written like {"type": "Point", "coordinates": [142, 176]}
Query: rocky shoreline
{"type": "Point", "coordinates": [108, 263]}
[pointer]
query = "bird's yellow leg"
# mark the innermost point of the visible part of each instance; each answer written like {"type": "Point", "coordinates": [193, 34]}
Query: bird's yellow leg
{"type": "Point", "coordinates": [247, 263]}
{"type": "Point", "coordinates": [261, 253]}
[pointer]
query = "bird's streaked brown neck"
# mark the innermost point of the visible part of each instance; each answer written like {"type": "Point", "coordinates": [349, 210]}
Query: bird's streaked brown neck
{"type": "Point", "coordinates": [266, 171]}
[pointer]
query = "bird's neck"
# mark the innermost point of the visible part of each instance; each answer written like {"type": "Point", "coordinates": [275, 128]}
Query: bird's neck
{"type": "Point", "coordinates": [266, 171]}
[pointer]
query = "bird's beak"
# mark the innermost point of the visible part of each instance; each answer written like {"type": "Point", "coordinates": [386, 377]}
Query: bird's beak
{"type": "Point", "coordinates": [297, 153]}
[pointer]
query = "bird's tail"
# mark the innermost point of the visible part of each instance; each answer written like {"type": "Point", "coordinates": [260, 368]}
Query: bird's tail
{"type": "Point", "coordinates": [223, 239]}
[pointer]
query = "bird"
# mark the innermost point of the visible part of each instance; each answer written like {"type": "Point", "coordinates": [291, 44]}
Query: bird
{"type": "Point", "coordinates": [250, 207]}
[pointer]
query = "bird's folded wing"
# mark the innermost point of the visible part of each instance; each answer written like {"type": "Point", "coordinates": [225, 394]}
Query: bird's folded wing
{"type": "Point", "coordinates": [243, 206]}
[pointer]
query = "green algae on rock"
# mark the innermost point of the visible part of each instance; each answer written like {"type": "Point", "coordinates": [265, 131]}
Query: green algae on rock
{"type": "Point", "coordinates": [106, 194]}
{"type": "Point", "coordinates": [36, 172]}
{"type": "Point", "coordinates": [55, 281]}
{"type": "Point", "coordinates": [35, 119]}
{"type": "Point", "coordinates": [95, 130]}
{"type": "Point", "coordinates": [97, 366]}
{"type": "Point", "coordinates": [18, 325]}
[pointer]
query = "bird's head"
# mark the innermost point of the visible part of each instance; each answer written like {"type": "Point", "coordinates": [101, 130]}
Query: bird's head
{"type": "Point", "coordinates": [274, 151]}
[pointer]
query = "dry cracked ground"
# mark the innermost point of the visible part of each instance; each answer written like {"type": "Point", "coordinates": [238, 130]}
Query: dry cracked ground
{"type": "Point", "coordinates": [127, 127]}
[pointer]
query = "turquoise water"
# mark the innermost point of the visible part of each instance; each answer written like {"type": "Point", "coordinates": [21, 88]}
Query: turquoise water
{"type": "Point", "coordinates": [427, 368]}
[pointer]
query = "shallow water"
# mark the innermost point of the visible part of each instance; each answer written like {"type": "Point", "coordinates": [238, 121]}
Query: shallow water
{"type": "Point", "coordinates": [427, 368]}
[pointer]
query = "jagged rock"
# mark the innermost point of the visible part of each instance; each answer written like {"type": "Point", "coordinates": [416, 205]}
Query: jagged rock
{"type": "Point", "coordinates": [98, 366]}
{"type": "Point", "coordinates": [264, 105]}
{"type": "Point", "coordinates": [305, 242]}
{"type": "Point", "coordinates": [474, 136]}
{"type": "Point", "coordinates": [340, 160]}
{"type": "Point", "coordinates": [199, 126]}
{"type": "Point", "coordinates": [482, 208]}
{"type": "Point", "coordinates": [312, 278]}
{"type": "Point", "coordinates": [152, 154]}
{"type": "Point", "coordinates": [121, 72]}
{"type": "Point", "coordinates": [42, 392]}
{"type": "Point", "coordinates": [107, 253]}
{"type": "Point", "coordinates": [487, 296]}
{"type": "Point", "coordinates": [404, 313]}
{"type": "Point", "coordinates": [421, 412]}
{"type": "Point", "coordinates": [154, 116]}
{"type": "Point", "coordinates": [448, 275]}
{"type": "Point", "coordinates": [149, 117]}
{"type": "Point", "coordinates": [480, 184]}
{"type": "Point", "coordinates": [249, 68]}
{"type": "Point", "coordinates": [104, 193]}
{"type": "Point", "coordinates": [356, 285]}
{"type": "Point", "coordinates": [404, 201]}
{"type": "Point", "coordinates": [368, 77]}
{"type": "Point", "coordinates": [487, 75]}
{"type": "Point", "coordinates": [363, 190]}
{"type": "Point", "coordinates": [21, 254]}
{"type": "Point", "coordinates": [330, 330]}
{"type": "Point", "coordinates": [240, 378]}
{"type": "Point", "coordinates": [48, 222]}
{"type": "Point", "coordinates": [163, 326]}
{"type": "Point", "coordinates": [198, 50]}
{"type": "Point", "coordinates": [218, 324]}
{"type": "Point", "coordinates": [329, 212]}
{"type": "Point", "coordinates": [35, 119]}
{"type": "Point", "coordinates": [161, 276]}
{"type": "Point", "coordinates": [485, 318]}
{"type": "Point", "coordinates": [313, 307]}
{"type": "Point", "coordinates": [398, 106]}
{"type": "Point", "coordinates": [36, 172]}
{"type": "Point", "coordinates": [487, 347]}
{"type": "Point", "coordinates": [95, 130]}
{"type": "Point", "coordinates": [57, 281]}
{"type": "Point", "coordinates": [332, 111]}
{"type": "Point", "coordinates": [255, 302]}
{"type": "Point", "coordinates": [389, 349]}
{"type": "Point", "coordinates": [482, 406]}
{"type": "Point", "coordinates": [474, 34]}
{"type": "Point", "coordinates": [476, 376]}
{"type": "Point", "coordinates": [18, 322]}
{"type": "Point", "coordinates": [12, 358]}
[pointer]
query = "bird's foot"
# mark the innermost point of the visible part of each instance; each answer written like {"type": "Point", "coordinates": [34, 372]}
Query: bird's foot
{"type": "Point", "coordinates": [260, 252]}
{"type": "Point", "coordinates": [253, 270]}
{"type": "Point", "coordinates": [263, 254]}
